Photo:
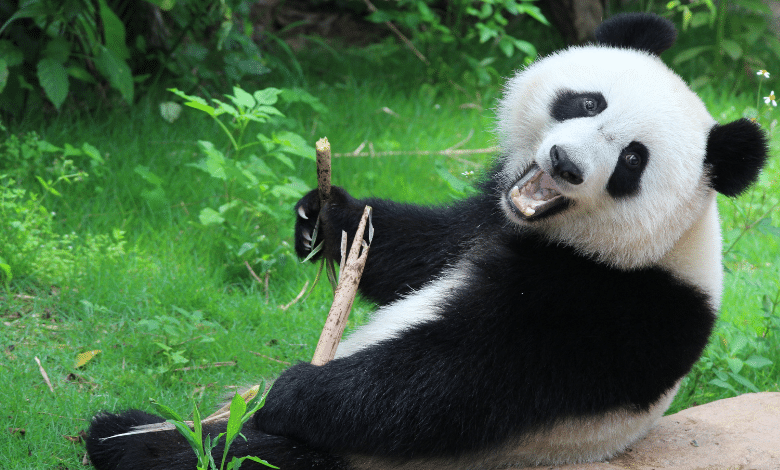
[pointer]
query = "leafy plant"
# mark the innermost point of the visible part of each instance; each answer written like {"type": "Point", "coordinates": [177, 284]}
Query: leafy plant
{"type": "Point", "coordinates": [51, 42]}
{"type": "Point", "coordinates": [255, 191]}
{"type": "Point", "coordinates": [29, 157]}
{"type": "Point", "coordinates": [729, 356]}
{"type": "Point", "coordinates": [746, 40]}
{"type": "Point", "coordinates": [453, 28]}
{"type": "Point", "coordinates": [240, 412]}
{"type": "Point", "coordinates": [213, 40]}
{"type": "Point", "coordinates": [177, 336]}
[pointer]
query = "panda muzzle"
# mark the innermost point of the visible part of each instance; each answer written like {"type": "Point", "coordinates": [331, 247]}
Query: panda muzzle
{"type": "Point", "coordinates": [535, 195]}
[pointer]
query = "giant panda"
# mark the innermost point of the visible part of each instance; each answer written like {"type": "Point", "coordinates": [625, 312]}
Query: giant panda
{"type": "Point", "coordinates": [548, 319]}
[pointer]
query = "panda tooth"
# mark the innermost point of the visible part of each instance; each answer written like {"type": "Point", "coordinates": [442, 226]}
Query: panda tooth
{"type": "Point", "coordinates": [528, 212]}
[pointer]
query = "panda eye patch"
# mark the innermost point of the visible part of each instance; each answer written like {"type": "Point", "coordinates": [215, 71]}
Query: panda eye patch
{"type": "Point", "coordinates": [626, 178]}
{"type": "Point", "coordinates": [570, 105]}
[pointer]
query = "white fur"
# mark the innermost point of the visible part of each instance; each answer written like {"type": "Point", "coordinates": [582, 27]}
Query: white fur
{"type": "Point", "coordinates": [392, 319]}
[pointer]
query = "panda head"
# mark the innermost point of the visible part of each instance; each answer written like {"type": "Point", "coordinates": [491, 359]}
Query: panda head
{"type": "Point", "coordinates": [609, 151]}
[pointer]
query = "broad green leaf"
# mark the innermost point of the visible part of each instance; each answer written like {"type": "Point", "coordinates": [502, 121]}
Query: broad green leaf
{"type": "Point", "coordinates": [757, 362]}
{"type": "Point", "coordinates": [6, 268]}
{"type": "Point", "coordinates": [197, 428]}
{"type": "Point", "coordinates": [10, 53]}
{"type": "Point", "coordinates": [147, 175]}
{"type": "Point", "coordinates": [47, 147]}
{"type": "Point", "coordinates": [155, 195]}
{"type": "Point", "coordinates": [28, 10]}
{"type": "Point", "coordinates": [525, 46]}
{"type": "Point", "coordinates": [226, 207]}
{"type": "Point", "coordinates": [58, 49]}
{"type": "Point", "coordinates": [54, 81]}
{"type": "Point", "coordinates": [267, 96]}
{"type": "Point", "coordinates": [722, 384]}
{"type": "Point", "coordinates": [164, 5]}
{"type": "Point", "coordinates": [295, 144]}
{"type": "Point", "coordinates": [226, 108]}
{"type": "Point", "coordinates": [245, 247]}
{"type": "Point", "coordinates": [114, 32]}
{"type": "Point", "coordinates": [765, 226]}
{"type": "Point", "coordinates": [92, 153]}
{"type": "Point", "coordinates": [689, 54]}
{"type": "Point", "coordinates": [117, 71]}
{"type": "Point", "coordinates": [286, 190]}
{"type": "Point", "coordinates": [242, 99]}
{"type": "Point", "coordinates": [507, 46]}
{"type": "Point", "coordinates": [202, 107]}
{"type": "Point", "coordinates": [235, 464]}
{"type": "Point", "coordinates": [80, 73]}
{"type": "Point", "coordinates": [3, 74]}
{"type": "Point", "coordinates": [747, 383]}
{"type": "Point", "coordinates": [237, 410]}
{"type": "Point", "coordinates": [737, 343]}
{"type": "Point", "coordinates": [209, 216]}
{"type": "Point", "coordinates": [735, 364]}
{"type": "Point", "coordinates": [732, 48]}
{"type": "Point", "coordinates": [71, 151]}
{"type": "Point", "coordinates": [164, 411]}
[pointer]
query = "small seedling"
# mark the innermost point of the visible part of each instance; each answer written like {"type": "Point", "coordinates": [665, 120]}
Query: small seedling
{"type": "Point", "coordinates": [240, 412]}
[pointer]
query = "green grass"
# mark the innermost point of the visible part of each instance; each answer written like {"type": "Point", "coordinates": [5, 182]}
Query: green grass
{"type": "Point", "coordinates": [171, 265]}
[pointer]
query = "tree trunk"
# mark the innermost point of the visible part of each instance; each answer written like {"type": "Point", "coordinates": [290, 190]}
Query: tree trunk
{"type": "Point", "coordinates": [575, 19]}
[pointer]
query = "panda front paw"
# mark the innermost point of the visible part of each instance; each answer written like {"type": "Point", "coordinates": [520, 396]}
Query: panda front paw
{"type": "Point", "coordinates": [336, 216]}
{"type": "Point", "coordinates": [307, 210]}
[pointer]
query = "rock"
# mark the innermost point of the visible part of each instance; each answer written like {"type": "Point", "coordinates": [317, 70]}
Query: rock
{"type": "Point", "coordinates": [734, 433]}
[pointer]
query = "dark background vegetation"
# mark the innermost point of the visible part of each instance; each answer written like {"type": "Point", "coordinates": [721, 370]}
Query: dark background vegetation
{"type": "Point", "coordinates": [151, 151]}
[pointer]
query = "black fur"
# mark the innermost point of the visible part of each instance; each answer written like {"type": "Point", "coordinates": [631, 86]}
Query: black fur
{"type": "Point", "coordinates": [736, 152]}
{"type": "Point", "coordinates": [640, 31]}
{"type": "Point", "coordinates": [570, 105]}
{"type": "Point", "coordinates": [392, 269]}
{"type": "Point", "coordinates": [461, 385]}
{"type": "Point", "coordinates": [626, 179]}
{"type": "Point", "coordinates": [602, 339]}
{"type": "Point", "coordinates": [168, 450]}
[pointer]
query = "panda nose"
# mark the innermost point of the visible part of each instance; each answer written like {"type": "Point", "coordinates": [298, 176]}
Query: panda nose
{"type": "Point", "coordinates": [564, 167]}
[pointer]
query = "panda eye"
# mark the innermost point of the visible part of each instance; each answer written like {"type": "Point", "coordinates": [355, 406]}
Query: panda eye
{"type": "Point", "coordinates": [633, 160]}
{"type": "Point", "coordinates": [590, 105]}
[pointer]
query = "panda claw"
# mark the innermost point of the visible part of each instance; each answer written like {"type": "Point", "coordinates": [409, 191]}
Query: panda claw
{"type": "Point", "coordinates": [306, 235]}
{"type": "Point", "coordinates": [307, 245]}
{"type": "Point", "coordinates": [302, 213]}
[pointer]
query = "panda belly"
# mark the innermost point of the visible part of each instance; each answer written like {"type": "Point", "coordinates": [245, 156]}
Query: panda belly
{"type": "Point", "coordinates": [587, 439]}
{"type": "Point", "coordinates": [573, 440]}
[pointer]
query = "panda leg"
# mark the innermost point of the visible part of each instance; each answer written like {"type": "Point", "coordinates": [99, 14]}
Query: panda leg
{"type": "Point", "coordinates": [170, 451]}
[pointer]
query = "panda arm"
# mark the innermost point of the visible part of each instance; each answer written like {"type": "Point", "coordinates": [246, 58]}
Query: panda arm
{"type": "Point", "coordinates": [411, 244]}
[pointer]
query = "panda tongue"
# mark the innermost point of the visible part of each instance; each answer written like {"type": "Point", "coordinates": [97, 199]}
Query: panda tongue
{"type": "Point", "coordinates": [534, 193]}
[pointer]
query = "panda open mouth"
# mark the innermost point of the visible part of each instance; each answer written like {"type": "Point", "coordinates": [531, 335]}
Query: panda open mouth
{"type": "Point", "coordinates": [535, 195]}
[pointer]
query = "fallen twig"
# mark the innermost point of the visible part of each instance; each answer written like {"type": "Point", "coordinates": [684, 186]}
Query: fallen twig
{"type": "Point", "coordinates": [44, 374]}
{"type": "Point", "coordinates": [297, 297]}
{"type": "Point", "coordinates": [207, 366]}
{"type": "Point", "coordinates": [271, 358]}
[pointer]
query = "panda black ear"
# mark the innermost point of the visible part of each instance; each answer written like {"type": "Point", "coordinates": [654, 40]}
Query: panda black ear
{"type": "Point", "coordinates": [736, 152]}
{"type": "Point", "coordinates": [640, 31]}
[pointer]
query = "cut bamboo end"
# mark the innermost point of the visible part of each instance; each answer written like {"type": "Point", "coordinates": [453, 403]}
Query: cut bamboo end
{"type": "Point", "coordinates": [323, 168]}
